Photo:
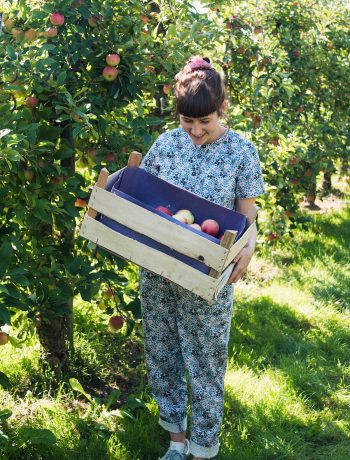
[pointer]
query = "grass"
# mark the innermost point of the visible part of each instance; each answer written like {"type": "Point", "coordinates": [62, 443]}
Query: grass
{"type": "Point", "coordinates": [287, 382]}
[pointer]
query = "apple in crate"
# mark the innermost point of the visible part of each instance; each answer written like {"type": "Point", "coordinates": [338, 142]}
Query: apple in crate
{"type": "Point", "coordinates": [196, 226]}
{"type": "Point", "coordinates": [164, 210]}
{"type": "Point", "coordinates": [210, 226]}
{"type": "Point", "coordinates": [186, 214]}
{"type": "Point", "coordinates": [180, 218]}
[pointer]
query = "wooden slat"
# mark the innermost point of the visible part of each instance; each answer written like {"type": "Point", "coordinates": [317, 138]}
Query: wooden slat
{"type": "Point", "coordinates": [239, 244]}
{"type": "Point", "coordinates": [149, 258]}
{"type": "Point", "coordinates": [134, 159]}
{"type": "Point", "coordinates": [101, 183]}
{"type": "Point", "coordinates": [158, 228]}
{"type": "Point", "coordinates": [226, 242]}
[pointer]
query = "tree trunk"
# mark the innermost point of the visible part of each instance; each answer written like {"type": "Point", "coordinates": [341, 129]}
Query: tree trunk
{"type": "Point", "coordinates": [344, 167]}
{"type": "Point", "coordinates": [56, 331]}
{"type": "Point", "coordinates": [327, 181]}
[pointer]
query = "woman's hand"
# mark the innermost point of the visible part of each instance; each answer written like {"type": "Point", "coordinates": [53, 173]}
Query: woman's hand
{"type": "Point", "coordinates": [241, 263]}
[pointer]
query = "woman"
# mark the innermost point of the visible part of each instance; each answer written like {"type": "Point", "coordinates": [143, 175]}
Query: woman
{"type": "Point", "coordinates": [182, 332]}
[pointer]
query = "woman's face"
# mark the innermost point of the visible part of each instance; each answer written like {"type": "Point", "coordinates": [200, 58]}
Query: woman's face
{"type": "Point", "coordinates": [202, 130]}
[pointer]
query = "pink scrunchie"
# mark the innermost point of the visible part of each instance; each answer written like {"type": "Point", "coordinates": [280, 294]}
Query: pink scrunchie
{"type": "Point", "coordinates": [198, 63]}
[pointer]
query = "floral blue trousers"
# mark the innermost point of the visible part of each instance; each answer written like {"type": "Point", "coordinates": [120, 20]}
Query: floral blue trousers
{"type": "Point", "coordinates": [183, 332]}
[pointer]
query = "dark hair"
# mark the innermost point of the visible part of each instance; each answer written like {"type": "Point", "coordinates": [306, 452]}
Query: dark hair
{"type": "Point", "coordinates": [199, 89]}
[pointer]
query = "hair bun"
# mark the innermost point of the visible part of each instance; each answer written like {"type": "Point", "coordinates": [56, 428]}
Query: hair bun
{"type": "Point", "coordinates": [198, 63]}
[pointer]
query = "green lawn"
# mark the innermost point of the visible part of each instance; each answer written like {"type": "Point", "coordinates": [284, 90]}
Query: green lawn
{"type": "Point", "coordinates": [287, 382]}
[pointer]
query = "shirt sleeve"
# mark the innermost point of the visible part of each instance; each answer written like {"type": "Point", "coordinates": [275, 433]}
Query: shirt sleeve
{"type": "Point", "coordinates": [151, 161]}
{"type": "Point", "coordinates": [249, 183]}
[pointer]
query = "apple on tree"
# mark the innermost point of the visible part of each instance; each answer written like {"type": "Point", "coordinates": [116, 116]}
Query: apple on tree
{"type": "Point", "coordinates": [32, 102]}
{"type": "Point", "coordinates": [4, 338]}
{"type": "Point", "coordinates": [110, 73]}
{"type": "Point", "coordinates": [57, 19]}
{"type": "Point", "coordinates": [112, 59]}
{"type": "Point", "coordinates": [116, 322]}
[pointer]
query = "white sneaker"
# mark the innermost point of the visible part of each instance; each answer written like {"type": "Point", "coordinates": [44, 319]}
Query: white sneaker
{"type": "Point", "coordinates": [177, 451]}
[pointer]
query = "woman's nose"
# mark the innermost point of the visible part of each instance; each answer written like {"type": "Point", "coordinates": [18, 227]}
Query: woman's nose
{"type": "Point", "coordinates": [196, 130]}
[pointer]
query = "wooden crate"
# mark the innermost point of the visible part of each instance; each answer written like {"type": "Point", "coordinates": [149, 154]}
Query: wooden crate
{"type": "Point", "coordinates": [219, 257]}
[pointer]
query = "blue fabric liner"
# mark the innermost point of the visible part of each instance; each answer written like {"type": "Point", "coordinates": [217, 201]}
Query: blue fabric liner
{"type": "Point", "coordinates": [148, 191]}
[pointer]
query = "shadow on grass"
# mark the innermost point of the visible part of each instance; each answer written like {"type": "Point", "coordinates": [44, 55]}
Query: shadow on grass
{"type": "Point", "coordinates": [266, 334]}
{"type": "Point", "coordinates": [328, 245]}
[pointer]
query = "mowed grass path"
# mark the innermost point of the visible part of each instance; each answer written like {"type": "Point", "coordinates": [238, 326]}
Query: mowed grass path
{"type": "Point", "coordinates": [287, 383]}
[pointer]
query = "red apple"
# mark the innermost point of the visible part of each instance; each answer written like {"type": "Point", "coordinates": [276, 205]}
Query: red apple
{"type": "Point", "coordinates": [210, 226]}
{"type": "Point", "coordinates": [51, 32]}
{"type": "Point", "coordinates": [32, 102]}
{"type": "Point", "coordinates": [275, 141]}
{"type": "Point", "coordinates": [110, 73]}
{"type": "Point", "coordinates": [110, 157]}
{"type": "Point", "coordinates": [9, 24]}
{"type": "Point", "coordinates": [144, 19]}
{"type": "Point", "coordinates": [116, 322]}
{"type": "Point", "coordinates": [166, 89]}
{"type": "Point", "coordinates": [29, 174]}
{"type": "Point", "coordinates": [108, 293]}
{"type": "Point", "coordinates": [256, 120]}
{"type": "Point", "coordinates": [57, 19]}
{"type": "Point", "coordinates": [164, 210]}
{"type": "Point", "coordinates": [30, 35]}
{"type": "Point", "coordinates": [17, 33]}
{"type": "Point", "coordinates": [196, 226]}
{"type": "Point", "coordinates": [187, 215]}
{"type": "Point", "coordinates": [113, 59]}
{"type": "Point", "coordinates": [150, 68]}
{"type": "Point", "coordinates": [79, 203]}
{"type": "Point", "coordinates": [4, 338]}
{"type": "Point", "coordinates": [293, 161]}
{"type": "Point", "coordinates": [92, 21]}
{"type": "Point", "coordinates": [272, 236]}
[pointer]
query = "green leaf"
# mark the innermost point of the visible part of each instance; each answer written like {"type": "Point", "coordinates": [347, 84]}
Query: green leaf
{"type": "Point", "coordinates": [112, 398]}
{"type": "Point", "coordinates": [76, 385]}
{"type": "Point", "coordinates": [5, 414]}
{"type": "Point", "coordinates": [133, 403]}
{"type": "Point", "coordinates": [6, 251]}
{"type": "Point", "coordinates": [4, 382]}
{"type": "Point", "coordinates": [62, 77]}
{"type": "Point", "coordinates": [11, 52]}
{"type": "Point", "coordinates": [5, 315]}
{"type": "Point", "coordinates": [38, 436]}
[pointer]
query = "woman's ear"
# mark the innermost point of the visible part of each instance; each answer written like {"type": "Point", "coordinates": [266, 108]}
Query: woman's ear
{"type": "Point", "coordinates": [224, 107]}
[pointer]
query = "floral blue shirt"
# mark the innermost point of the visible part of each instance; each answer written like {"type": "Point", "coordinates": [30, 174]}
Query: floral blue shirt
{"type": "Point", "coordinates": [222, 171]}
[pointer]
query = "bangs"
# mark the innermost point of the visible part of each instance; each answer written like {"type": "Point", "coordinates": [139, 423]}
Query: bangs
{"type": "Point", "coordinates": [196, 103]}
